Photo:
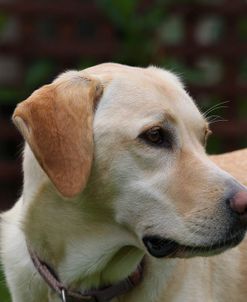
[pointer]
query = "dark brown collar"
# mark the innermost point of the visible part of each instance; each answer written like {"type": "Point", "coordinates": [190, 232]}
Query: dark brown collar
{"type": "Point", "coordinates": [101, 295]}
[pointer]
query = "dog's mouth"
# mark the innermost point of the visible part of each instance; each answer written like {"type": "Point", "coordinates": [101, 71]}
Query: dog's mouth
{"type": "Point", "coordinates": [161, 247]}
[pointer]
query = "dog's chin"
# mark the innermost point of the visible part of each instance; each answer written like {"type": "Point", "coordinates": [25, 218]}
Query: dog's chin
{"type": "Point", "coordinates": [159, 247]}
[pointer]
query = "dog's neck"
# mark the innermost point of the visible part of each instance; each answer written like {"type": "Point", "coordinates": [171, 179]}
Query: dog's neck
{"type": "Point", "coordinates": [94, 244]}
{"type": "Point", "coordinates": [89, 253]}
{"type": "Point", "coordinates": [86, 251]}
{"type": "Point", "coordinates": [81, 242]}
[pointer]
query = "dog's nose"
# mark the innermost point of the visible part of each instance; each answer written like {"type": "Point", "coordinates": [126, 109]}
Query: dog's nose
{"type": "Point", "coordinates": [238, 204]}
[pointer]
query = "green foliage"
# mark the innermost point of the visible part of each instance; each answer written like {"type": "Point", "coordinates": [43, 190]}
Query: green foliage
{"type": "Point", "coordinates": [38, 73]}
{"type": "Point", "coordinates": [242, 28]}
{"type": "Point", "coordinates": [3, 21]}
{"type": "Point", "coordinates": [136, 29]}
{"type": "Point", "coordinates": [242, 108]}
{"type": "Point", "coordinates": [4, 294]}
{"type": "Point", "coordinates": [8, 95]}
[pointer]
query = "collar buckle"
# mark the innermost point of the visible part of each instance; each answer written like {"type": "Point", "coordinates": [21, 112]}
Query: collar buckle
{"type": "Point", "coordinates": [63, 295]}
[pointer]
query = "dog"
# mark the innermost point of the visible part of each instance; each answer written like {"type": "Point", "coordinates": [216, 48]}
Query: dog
{"type": "Point", "coordinates": [120, 201]}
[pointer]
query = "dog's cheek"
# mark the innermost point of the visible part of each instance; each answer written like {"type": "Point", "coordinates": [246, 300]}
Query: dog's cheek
{"type": "Point", "coordinates": [146, 211]}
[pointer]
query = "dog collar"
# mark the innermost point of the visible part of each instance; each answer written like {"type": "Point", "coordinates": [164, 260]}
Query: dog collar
{"type": "Point", "coordinates": [66, 294]}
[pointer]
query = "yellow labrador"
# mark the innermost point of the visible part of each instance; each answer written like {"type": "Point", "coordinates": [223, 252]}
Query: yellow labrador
{"type": "Point", "coordinates": [120, 201]}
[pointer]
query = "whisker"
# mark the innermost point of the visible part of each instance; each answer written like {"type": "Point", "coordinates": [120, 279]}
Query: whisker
{"type": "Point", "coordinates": [215, 107]}
{"type": "Point", "coordinates": [210, 110]}
{"type": "Point", "coordinates": [216, 120]}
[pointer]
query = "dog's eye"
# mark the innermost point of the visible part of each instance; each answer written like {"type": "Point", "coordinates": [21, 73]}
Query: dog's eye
{"type": "Point", "coordinates": [158, 137]}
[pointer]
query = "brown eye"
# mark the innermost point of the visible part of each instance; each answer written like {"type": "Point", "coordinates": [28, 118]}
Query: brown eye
{"type": "Point", "coordinates": [154, 135]}
{"type": "Point", "coordinates": [157, 136]}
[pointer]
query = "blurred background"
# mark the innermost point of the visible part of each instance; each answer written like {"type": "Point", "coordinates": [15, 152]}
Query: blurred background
{"type": "Point", "coordinates": [203, 41]}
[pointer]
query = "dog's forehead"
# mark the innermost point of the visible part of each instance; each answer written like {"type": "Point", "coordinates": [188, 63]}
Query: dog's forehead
{"type": "Point", "coordinates": [140, 93]}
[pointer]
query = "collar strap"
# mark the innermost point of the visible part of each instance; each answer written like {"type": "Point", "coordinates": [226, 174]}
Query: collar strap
{"type": "Point", "coordinates": [101, 295]}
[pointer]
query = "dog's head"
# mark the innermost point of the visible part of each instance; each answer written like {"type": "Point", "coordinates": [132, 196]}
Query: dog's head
{"type": "Point", "coordinates": [136, 138]}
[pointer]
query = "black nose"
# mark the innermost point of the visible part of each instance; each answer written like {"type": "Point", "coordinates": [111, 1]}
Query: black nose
{"type": "Point", "coordinates": [238, 203]}
{"type": "Point", "coordinates": [159, 247]}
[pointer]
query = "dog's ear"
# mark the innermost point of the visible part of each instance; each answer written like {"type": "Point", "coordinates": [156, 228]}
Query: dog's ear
{"type": "Point", "coordinates": [57, 122]}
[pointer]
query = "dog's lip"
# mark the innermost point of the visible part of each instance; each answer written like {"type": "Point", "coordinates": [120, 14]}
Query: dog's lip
{"type": "Point", "coordinates": [173, 249]}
